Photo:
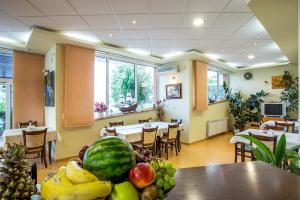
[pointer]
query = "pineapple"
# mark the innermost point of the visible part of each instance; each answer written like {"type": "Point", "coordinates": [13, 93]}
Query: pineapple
{"type": "Point", "coordinates": [15, 169]}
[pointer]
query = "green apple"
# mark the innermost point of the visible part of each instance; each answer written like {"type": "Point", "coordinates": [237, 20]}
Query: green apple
{"type": "Point", "coordinates": [124, 191]}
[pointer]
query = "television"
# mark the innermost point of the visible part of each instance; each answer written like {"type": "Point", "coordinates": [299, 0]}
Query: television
{"type": "Point", "coordinates": [273, 109]}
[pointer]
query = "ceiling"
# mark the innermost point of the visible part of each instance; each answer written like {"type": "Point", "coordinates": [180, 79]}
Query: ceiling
{"type": "Point", "coordinates": [230, 31]}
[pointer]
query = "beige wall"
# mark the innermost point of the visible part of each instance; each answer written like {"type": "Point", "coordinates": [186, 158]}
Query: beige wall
{"type": "Point", "coordinates": [74, 138]}
{"type": "Point", "coordinates": [28, 87]}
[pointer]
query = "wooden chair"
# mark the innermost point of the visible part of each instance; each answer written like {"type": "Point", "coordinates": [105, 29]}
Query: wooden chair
{"type": "Point", "coordinates": [141, 121]}
{"type": "Point", "coordinates": [170, 139]}
{"type": "Point", "coordinates": [112, 124]}
{"type": "Point", "coordinates": [270, 141]}
{"type": "Point", "coordinates": [265, 119]}
{"type": "Point", "coordinates": [178, 121]}
{"type": "Point", "coordinates": [148, 139]}
{"type": "Point", "coordinates": [255, 125]}
{"type": "Point", "coordinates": [110, 132]}
{"type": "Point", "coordinates": [35, 143]}
{"type": "Point", "coordinates": [276, 128]}
{"type": "Point", "coordinates": [288, 127]}
{"type": "Point", "coordinates": [241, 149]}
{"type": "Point", "coordinates": [26, 124]}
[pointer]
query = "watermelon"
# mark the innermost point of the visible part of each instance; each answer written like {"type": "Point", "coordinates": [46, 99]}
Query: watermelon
{"type": "Point", "coordinates": [109, 158]}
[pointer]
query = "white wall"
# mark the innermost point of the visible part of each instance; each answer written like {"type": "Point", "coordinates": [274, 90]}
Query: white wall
{"type": "Point", "coordinates": [257, 83]}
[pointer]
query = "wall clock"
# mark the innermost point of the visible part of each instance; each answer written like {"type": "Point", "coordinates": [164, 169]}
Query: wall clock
{"type": "Point", "coordinates": [248, 75]}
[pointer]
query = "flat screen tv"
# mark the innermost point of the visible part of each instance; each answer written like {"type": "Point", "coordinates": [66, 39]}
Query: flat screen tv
{"type": "Point", "coordinates": [273, 109]}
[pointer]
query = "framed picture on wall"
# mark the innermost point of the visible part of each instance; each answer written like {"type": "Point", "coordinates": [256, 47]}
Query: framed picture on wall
{"type": "Point", "coordinates": [174, 91]}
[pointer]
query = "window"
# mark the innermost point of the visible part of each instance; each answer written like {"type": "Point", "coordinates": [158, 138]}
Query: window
{"type": "Point", "coordinates": [215, 85]}
{"type": "Point", "coordinates": [118, 81]}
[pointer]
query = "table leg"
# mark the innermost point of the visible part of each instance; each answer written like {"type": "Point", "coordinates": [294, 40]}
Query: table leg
{"type": "Point", "coordinates": [158, 147]}
{"type": "Point", "coordinates": [243, 152]}
{"type": "Point", "coordinates": [49, 151]}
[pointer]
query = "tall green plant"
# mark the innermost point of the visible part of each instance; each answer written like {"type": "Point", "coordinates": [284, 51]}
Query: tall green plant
{"type": "Point", "coordinates": [281, 157]}
{"type": "Point", "coordinates": [290, 95]}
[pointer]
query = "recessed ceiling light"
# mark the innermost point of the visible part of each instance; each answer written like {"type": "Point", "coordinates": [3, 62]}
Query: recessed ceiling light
{"type": "Point", "coordinates": [172, 54]}
{"type": "Point", "coordinates": [133, 21]}
{"type": "Point", "coordinates": [254, 43]}
{"type": "Point", "coordinates": [7, 40]}
{"type": "Point", "coordinates": [198, 22]}
{"type": "Point", "coordinates": [251, 56]}
{"type": "Point", "coordinates": [110, 35]}
{"type": "Point", "coordinates": [139, 51]}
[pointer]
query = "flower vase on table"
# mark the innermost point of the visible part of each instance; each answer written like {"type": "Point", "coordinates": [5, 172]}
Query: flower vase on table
{"type": "Point", "coordinates": [100, 108]}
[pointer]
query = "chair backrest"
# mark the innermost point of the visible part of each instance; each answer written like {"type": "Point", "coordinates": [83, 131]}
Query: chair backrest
{"type": "Point", "coordinates": [178, 121]}
{"type": "Point", "coordinates": [110, 132]}
{"type": "Point", "coordinates": [149, 136]}
{"type": "Point", "coordinates": [34, 141]}
{"type": "Point", "coordinates": [172, 131]}
{"type": "Point", "coordinates": [265, 119]}
{"type": "Point", "coordinates": [270, 141]}
{"type": "Point", "coordinates": [26, 124]}
{"type": "Point", "coordinates": [141, 121]}
{"type": "Point", "coordinates": [276, 128]}
{"type": "Point", "coordinates": [288, 127]}
{"type": "Point", "coordinates": [112, 124]}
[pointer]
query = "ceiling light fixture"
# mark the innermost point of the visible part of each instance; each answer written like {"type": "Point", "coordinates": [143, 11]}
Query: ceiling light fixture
{"type": "Point", "coordinates": [133, 21]}
{"type": "Point", "coordinates": [172, 54]}
{"type": "Point", "coordinates": [80, 36]}
{"type": "Point", "coordinates": [7, 40]}
{"type": "Point", "coordinates": [251, 56]}
{"type": "Point", "coordinates": [138, 51]}
{"type": "Point", "coordinates": [198, 22]}
{"type": "Point", "coordinates": [254, 43]}
{"type": "Point", "coordinates": [110, 35]}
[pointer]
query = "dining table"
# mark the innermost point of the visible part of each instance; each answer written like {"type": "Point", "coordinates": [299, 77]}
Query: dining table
{"type": "Point", "coordinates": [272, 123]}
{"type": "Point", "coordinates": [292, 139]}
{"type": "Point", "coordinates": [240, 181]}
{"type": "Point", "coordinates": [11, 136]}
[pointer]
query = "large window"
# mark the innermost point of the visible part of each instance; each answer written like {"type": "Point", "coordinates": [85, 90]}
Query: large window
{"type": "Point", "coordinates": [118, 81]}
{"type": "Point", "coordinates": [215, 85]}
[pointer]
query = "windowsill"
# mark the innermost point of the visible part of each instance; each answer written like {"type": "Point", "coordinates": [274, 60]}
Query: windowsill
{"type": "Point", "coordinates": [217, 102]}
{"type": "Point", "coordinates": [97, 117]}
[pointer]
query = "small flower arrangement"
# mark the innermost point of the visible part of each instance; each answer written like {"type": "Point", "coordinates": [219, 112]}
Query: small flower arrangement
{"type": "Point", "coordinates": [159, 105]}
{"type": "Point", "coordinates": [100, 107]}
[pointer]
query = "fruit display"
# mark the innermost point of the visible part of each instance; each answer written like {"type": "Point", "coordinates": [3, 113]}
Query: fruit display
{"type": "Point", "coordinates": [142, 175]}
{"type": "Point", "coordinates": [110, 172]}
{"type": "Point", "coordinates": [60, 187]}
{"type": "Point", "coordinates": [109, 158]}
{"type": "Point", "coordinates": [15, 169]}
{"type": "Point", "coordinates": [82, 151]}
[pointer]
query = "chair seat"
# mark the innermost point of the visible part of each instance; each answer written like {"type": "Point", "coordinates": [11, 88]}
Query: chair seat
{"type": "Point", "coordinates": [165, 139]}
{"type": "Point", "coordinates": [247, 148]}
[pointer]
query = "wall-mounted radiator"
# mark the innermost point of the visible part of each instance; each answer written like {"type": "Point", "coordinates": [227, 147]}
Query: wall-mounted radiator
{"type": "Point", "coordinates": [215, 127]}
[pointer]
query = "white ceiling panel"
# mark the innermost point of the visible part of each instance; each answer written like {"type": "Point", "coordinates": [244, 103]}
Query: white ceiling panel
{"type": "Point", "coordinates": [217, 34]}
{"type": "Point", "coordinates": [168, 6]}
{"type": "Point", "coordinates": [258, 43]}
{"type": "Point", "coordinates": [264, 35]}
{"type": "Point", "coordinates": [237, 6]}
{"type": "Point", "coordinates": [2, 14]}
{"type": "Point", "coordinates": [208, 18]}
{"type": "Point", "coordinates": [207, 5]}
{"type": "Point", "coordinates": [249, 30]}
{"type": "Point", "coordinates": [91, 7]}
{"type": "Point", "coordinates": [54, 7]}
{"type": "Point", "coordinates": [233, 43]}
{"type": "Point", "coordinates": [161, 34]}
{"type": "Point", "coordinates": [69, 23]}
{"type": "Point", "coordinates": [11, 24]}
{"type": "Point", "coordinates": [142, 21]}
{"type": "Point", "coordinates": [129, 6]}
{"type": "Point", "coordinates": [44, 22]}
{"type": "Point", "coordinates": [102, 22]}
{"type": "Point", "coordinates": [122, 43]}
{"type": "Point", "coordinates": [139, 43]}
{"type": "Point", "coordinates": [231, 20]}
{"type": "Point", "coordinates": [160, 51]}
{"type": "Point", "coordinates": [189, 44]}
{"type": "Point", "coordinates": [110, 34]}
{"type": "Point", "coordinates": [190, 33]}
{"type": "Point", "coordinates": [18, 8]}
{"type": "Point", "coordinates": [209, 43]}
{"type": "Point", "coordinates": [163, 21]}
{"type": "Point", "coordinates": [163, 43]}
{"type": "Point", "coordinates": [138, 34]}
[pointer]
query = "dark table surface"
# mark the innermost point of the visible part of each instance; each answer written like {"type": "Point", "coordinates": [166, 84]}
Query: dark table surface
{"type": "Point", "coordinates": [249, 180]}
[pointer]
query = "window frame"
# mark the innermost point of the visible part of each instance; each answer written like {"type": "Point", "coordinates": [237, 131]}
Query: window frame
{"type": "Point", "coordinates": [218, 83]}
{"type": "Point", "coordinates": [135, 63]}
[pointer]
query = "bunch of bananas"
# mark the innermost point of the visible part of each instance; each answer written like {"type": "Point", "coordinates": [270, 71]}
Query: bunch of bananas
{"type": "Point", "coordinates": [74, 183]}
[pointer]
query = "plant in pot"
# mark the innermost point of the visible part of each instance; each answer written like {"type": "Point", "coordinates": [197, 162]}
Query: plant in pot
{"type": "Point", "coordinates": [160, 105]}
{"type": "Point", "coordinates": [290, 96]}
{"type": "Point", "coordinates": [287, 159]}
{"type": "Point", "coordinates": [100, 108]}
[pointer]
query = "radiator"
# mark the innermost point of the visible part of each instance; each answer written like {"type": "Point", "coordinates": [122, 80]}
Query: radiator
{"type": "Point", "coordinates": [215, 127]}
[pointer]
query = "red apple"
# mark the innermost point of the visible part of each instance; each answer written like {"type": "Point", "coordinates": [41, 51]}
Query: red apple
{"type": "Point", "coordinates": [142, 175]}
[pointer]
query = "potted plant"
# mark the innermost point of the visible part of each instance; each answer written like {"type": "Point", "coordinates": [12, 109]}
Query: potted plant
{"type": "Point", "coordinates": [290, 95]}
{"type": "Point", "coordinates": [159, 105]}
{"type": "Point", "coordinates": [100, 108]}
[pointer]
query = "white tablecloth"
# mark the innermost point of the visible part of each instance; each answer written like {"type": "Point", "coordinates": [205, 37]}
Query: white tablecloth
{"type": "Point", "coordinates": [16, 135]}
{"type": "Point", "coordinates": [133, 133]}
{"type": "Point", "coordinates": [272, 123]}
{"type": "Point", "coordinates": [292, 139]}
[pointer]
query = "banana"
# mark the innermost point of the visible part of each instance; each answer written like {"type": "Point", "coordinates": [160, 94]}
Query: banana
{"type": "Point", "coordinates": [78, 175]}
{"type": "Point", "coordinates": [60, 188]}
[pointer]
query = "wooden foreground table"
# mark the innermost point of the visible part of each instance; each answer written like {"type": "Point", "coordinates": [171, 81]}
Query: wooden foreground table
{"type": "Point", "coordinates": [242, 181]}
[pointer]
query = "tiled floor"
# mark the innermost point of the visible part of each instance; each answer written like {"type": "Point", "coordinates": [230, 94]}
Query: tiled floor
{"type": "Point", "coordinates": [216, 150]}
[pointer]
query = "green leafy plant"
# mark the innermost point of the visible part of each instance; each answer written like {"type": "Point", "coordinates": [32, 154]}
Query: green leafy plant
{"type": "Point", "coordinates": [281, 158]}
{"type": "Point", "coordinates": [2, 107]}
{"type": "Point", "coordinates": [290, 95]}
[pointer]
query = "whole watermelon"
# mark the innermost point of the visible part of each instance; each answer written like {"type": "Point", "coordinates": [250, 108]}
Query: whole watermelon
{"type": "Point", "coordinates": [109, 158]}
